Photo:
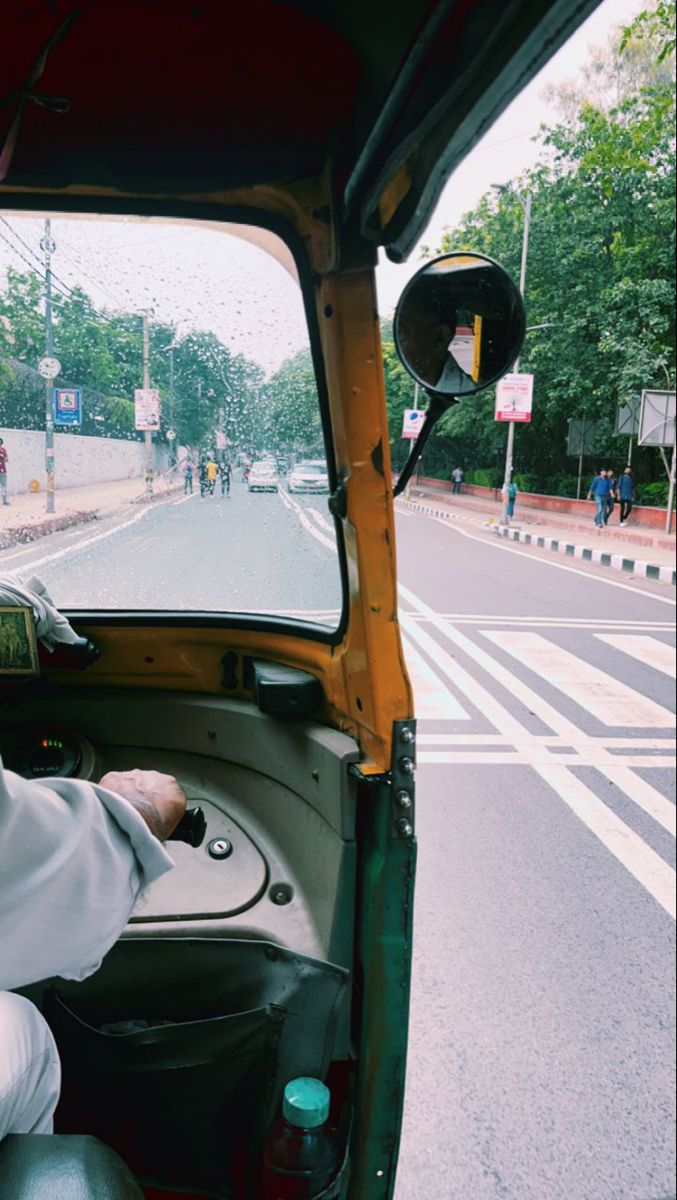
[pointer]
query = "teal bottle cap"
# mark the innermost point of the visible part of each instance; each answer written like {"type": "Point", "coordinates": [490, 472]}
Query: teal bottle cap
{"type": "Point", "coordinates": [306, 1103]}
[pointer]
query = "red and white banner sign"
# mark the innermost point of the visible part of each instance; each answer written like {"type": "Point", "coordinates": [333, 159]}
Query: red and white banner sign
{"type": "Point", "coordinates": [147, 409]}
{"type": "Point", "coordinates": [412, 422]}
{"type": "Point", "coordinates": [514, 398]}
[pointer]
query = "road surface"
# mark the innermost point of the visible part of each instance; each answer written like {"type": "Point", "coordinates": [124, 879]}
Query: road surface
{"type": "Point", "coordinates": [542, 1036]}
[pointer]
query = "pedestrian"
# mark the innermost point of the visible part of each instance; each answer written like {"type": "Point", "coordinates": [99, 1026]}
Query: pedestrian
{"type": "Point", "coordinates": [4, 459]}
{"type": "Point", "coordinates": [212, 470]}
{"type": "Point", "coordinates": [224, 473]}
{"type": "Point", "coordinates": [599, 492]}
{"type": "Point", "coordinates": [613, 495]}
{"type": "Point", "coordinates": [187, 477]}
{"type": "Point", "coordinates": [626, 494]}
{"type": "Point", "coordinates": [512, 496]}
{"type": "Point", "coordinates": [457, 477]}
{"type": "Point", "coordinates": [202, 474]}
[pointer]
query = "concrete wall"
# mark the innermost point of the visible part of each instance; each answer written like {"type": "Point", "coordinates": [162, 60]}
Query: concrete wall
{"type": "Point", "coordinates": [652, 518]}
{"type": "Point", "coordinates": [78, 460]}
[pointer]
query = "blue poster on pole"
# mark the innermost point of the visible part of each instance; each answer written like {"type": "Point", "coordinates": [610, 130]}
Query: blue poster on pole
{"type": "Point", "coordinates": [68, 406]}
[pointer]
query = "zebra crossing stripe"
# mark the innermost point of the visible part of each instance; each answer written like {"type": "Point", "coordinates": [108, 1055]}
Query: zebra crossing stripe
{"type": "Point", "coordinates": [433, 699]}
{"type": "Point", "coordinates": [648, 650]}
{"type": "Point", "coordinates": [607, 699]}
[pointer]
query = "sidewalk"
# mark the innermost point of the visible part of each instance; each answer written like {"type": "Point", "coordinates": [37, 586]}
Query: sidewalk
{"type": "Point", "coordinates": [526, 518]}
{"type": "Point", "coordinates": [616, 548]}
{"type": "Point", "coordinates": [25, 518]}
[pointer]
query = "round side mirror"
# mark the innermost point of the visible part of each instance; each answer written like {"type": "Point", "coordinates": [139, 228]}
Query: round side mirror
{"type": "Point", "coordinates": [459, 325]}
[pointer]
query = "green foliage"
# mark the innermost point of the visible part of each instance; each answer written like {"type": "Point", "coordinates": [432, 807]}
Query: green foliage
{"type": "Point", "coordinates": [102, 353]}
{"type": "Point", "coordinates": [289, 418]}
{"type": "Point", "coordinates": [654, 494]}
{"type": "Point", "coordinates": [601, 268]}
{"type": "Point", "coordinates": [657, 25]}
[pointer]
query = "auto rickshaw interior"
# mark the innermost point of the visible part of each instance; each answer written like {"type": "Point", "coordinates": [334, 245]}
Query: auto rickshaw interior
{"type": "Point", "coordinates": [315, 132]}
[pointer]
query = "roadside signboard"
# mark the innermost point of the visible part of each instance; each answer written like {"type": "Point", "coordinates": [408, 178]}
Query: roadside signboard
{"type": "Point", "coordinates": [627, 417]}
{"type": "Point", "coordinates": [657, 419]}
{"type": "Point", "coordinates": [412, 422]}
{"type": "Point", "coordinates": [67, 406]}
{"type": "Point", "coordinates": [584, 436]}
{"type": "Point", "coordinates": [220, 440]}
{"type": "Point", "coordinates": [514, 398]}
{"type": "Point", "coordinates": [147, 409]}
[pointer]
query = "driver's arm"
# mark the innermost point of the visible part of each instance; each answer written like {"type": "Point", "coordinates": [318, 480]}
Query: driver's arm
{"type": "Point", "coordinates": [74, 857]}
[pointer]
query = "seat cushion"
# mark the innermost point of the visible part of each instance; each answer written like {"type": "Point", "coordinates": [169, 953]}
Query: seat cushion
{"type": "Point", "coordinates": [42, 1167]}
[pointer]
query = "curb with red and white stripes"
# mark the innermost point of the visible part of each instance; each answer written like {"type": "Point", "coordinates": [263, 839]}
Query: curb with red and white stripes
{"type": "Point", "coordinates": [601, 558]}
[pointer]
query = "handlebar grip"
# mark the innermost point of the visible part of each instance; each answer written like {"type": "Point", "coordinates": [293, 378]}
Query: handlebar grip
{"type": "Point", "coordinates": [191, 828]}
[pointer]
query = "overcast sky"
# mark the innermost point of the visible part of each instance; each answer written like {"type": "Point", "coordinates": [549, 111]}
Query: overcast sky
{"type": "Point", "coordinates": [202, 279]}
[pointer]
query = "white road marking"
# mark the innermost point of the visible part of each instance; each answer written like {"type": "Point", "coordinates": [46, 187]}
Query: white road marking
{"type": "Point", "coordinates": [321, 520]}
{"type": "Point", "coordinates": [607, 699]}
{"type": "Point", "coordinates": [75, 547]}
{"type": "Point", "coordinates": [546, 562]}
{"type": "Point", "coordinates": [531, 757]}
{"type": "Point", "coordinates": [307, 524]}
{"type": "Point", "coordinates": [557, 743]}
{"type": "Point", "coordinates": [556, 622]}
{"type": "Point", "coordinates": [643, 863]}
{"type": "Point", "coordinates": [184, 499]}
{"type": "Point", "coordinates": [647, 649]}
{"type": "Point", "coordinates": [640, 792]}
{"type": "Point", "coordinates": [434, 701]}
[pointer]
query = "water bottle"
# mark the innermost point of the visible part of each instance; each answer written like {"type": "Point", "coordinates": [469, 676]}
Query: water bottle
{"type": "Point", "coordinates": [302, 1155]}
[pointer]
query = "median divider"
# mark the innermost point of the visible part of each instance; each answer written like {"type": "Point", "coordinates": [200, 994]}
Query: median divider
{"type": "Point", "coordinates": [601, 558]}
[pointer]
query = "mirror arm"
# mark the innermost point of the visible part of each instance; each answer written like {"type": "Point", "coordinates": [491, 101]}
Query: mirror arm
{"type": "Point", "coordinates": [436, 407]}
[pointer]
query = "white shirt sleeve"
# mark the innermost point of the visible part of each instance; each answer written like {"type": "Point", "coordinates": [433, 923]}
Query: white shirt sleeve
{"type": "Point", "coordinates": [73, 860]}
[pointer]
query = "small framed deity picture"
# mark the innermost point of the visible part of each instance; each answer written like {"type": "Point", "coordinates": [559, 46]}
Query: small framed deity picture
{"type": "Point", "coordinates": [18, 643]}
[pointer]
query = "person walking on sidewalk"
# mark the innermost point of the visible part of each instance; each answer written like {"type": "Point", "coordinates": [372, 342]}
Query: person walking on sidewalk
{"type": "Point", "coordinates": [4, 459]}
{"type": "Point", "coordinates": [511, 498]}
{"type": "Point", "coordinates": [188, 477]}
{"type": "Point", "coordinates": [599, 492]}
{"type": "Point", "coordinates": [626, 494]}
{"type": "Point", "coordinates": [457, 477]}
{"type": "Point", "coordinates": [613, 495]}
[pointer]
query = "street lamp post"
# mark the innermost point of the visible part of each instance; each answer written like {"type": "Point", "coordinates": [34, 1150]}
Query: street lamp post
{"type": "Point", "coordinates": [172, 447]}
{"type": "Point", "coordinates": [525, 202]}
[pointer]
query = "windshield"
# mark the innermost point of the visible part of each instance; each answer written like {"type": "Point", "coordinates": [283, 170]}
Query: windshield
{"type": "Point", "coordinates": [150, 372]}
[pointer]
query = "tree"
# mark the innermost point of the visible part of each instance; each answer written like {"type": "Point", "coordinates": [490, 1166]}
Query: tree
{"type": "Point", "coordinates": [601, 271]}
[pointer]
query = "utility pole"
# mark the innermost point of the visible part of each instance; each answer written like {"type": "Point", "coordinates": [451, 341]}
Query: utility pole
{"type": "Point", "coordinates": [48, 245]}
{"type": "Point", "coordinates": [147, 436]}
{"type": "Point", "coordinates": [525, 201]}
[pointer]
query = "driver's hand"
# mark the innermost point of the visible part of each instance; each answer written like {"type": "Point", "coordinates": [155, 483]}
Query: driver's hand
{"type": "Point", "coordinates": [156, 797]}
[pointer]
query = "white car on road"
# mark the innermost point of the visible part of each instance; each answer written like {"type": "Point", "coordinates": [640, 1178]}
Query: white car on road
{"type": "Point", "coordinates": [309, 476]}
{"type": "Point", "coordinates": [263, 477]}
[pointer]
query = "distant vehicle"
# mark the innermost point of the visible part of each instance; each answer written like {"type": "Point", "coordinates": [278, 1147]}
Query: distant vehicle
{"type": "Point", "coordinates": [263, 477]}
{"type": "Point", "coordinates": [309, 476]}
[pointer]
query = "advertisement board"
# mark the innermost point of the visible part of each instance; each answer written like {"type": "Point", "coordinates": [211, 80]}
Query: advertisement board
{"type": "Point", "coordinates": [412, 422]}
{"type": "Point", "coordinates": [147, 409]}
{"type": "Point", "coordinates": [514, 398]}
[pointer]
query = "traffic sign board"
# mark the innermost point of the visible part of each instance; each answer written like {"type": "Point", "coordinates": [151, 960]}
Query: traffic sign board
{"type": "Point", "coordinates": [68, 406]}
{"type": "Point", "coordinates": [170, 435]}
{"type": "Point", "coordinates": [49, 367]}
{"type": "Point", "coordinates": [413, 420]}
